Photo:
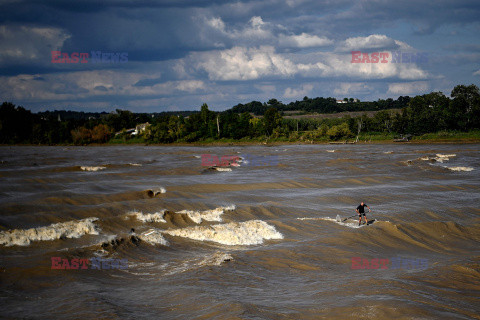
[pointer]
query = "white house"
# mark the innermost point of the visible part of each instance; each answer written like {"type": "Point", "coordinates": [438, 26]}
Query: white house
{"type": "Point", "coordinates": [140, 128]}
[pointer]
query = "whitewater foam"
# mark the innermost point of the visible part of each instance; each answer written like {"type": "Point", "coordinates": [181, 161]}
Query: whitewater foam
{"type": "Point", "coordinates": [438, 157]}
{"type": "Point", "coordinates": [446, 155]}
{"type": "Point", "coordinates": [346, 224]}
{"type": "Point", "coordinates": [330, 150]}
{"type": "Point", "coordinates": [153, 236]}
{"type": "Point", "coordinates": [234, 233]}
{"type": "Point", "coordinates": [443, 157]}
{"type": "Point", "coordinates": [88, 168]}
{"type": "Point", "coordinates": [69, 229]}
{"type": "Point", "coordinates": [207, 215]}
{"type": "Point", "coordinates": [149, 217]}
{"type": "Point", "coordinates": [467, 169]}
{"type": "Point", "coordinates": [223, 169]}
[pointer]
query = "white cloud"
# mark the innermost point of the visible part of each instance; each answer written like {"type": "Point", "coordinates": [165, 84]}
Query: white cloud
{"type": "Point", "coordinates": [406, 88]}
{"type": "Point", "coordinates": [476, 73]}
{"type": "Point", "coordinates": [328, 64]}
{"type": "Point", "coordinates": [298, 92]}
{"type": "Point", "coordinates": [256, 28]}
{"type": "Point", "coordinates": [216, 23]}
{"type": "Point", "coordinates": [374, 41]}
{"type": "Point", "coordinates": [190, 85]}
{"type": "Point", "coordinates": [258, 32]}
{"type": "Point", "coordinates": [303, 40]}
{"type": "Point", "coordinates": [241, 63]}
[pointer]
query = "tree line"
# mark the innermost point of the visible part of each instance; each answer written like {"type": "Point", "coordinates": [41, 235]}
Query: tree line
{"type": "Point", "coordinates": [322, 105]}
{"type": "Point", "coordinates": [421, 114]}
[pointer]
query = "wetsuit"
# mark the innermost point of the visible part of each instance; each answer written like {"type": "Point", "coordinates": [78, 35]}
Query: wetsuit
{"type": "Point", "coordinates": [361, 209]}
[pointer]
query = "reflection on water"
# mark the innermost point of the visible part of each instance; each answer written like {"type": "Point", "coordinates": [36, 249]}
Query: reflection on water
{"type": "Point", "coordinates": [258, 241]}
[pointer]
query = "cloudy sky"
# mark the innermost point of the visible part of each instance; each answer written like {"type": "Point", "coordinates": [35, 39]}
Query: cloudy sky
{"type": "Point", "coordinates": [182, 53]}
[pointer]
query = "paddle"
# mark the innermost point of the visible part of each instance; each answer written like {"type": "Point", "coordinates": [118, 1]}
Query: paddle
{"type": "Point", "coordinates": [349, 217]}
{"type": "Point", "coordinates": [338, 217]}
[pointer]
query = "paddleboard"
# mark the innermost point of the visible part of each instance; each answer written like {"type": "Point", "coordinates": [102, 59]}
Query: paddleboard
{"type": "Point", "coordinates": [340, 220]}
{"type": "Point", "coordinates": [367, 224]}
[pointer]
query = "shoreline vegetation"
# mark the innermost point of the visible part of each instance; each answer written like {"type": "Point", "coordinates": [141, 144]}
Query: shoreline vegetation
{"type": "Point", "coordinates": [429, 118]}
{"type": "Point", "coordinates": [433, 138]}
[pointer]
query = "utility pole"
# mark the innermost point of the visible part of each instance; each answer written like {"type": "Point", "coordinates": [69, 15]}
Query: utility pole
{"type": "Point", "coordinates": [218, 127]}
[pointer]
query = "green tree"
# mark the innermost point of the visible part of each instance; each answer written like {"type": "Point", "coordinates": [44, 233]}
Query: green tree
{"type": "Point", "coordinates": [272, 119]}
{"type": "Point", "coordinates": [339, 131]}
{"type": "Point", "coordinates": [204, 113]}
{"type": "Point", "coordinates": [101, 133]}
{"type": "Point", "coordinates": [464, 109]}
{"type": "Point", "coordinates": [81, 136]}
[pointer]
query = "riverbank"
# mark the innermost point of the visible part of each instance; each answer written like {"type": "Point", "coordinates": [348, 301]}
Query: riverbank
{"type": "Point", "coordinates": [367, 138]}
{"type": "Point", "coordinates": [444, 137]}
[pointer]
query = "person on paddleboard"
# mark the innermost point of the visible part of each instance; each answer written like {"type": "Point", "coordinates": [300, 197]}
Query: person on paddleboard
{"type": "Point", "coordinates": [361, 211]}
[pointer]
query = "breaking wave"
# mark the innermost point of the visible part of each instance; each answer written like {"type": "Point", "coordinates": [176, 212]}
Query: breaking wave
{"type": "Point", "coordinates": [69, 229]}
{"type": "Point", "coordinates": [438, 157]}
{"type": "Point", "coordinates": [347, 223]}
{"type": "Point", "coordinates": [207, 215]}
{"type": "Point", "coordinates": [87, 168]}
{"type": "Point", "coordinates": [153, 236]}
{"type": "Point", "coordinates": [154, 192]}
{"type": "Point", "coordinates": [460, 168]}
{"type": "Point", "coordinates": [149, 217]}
{"type": "Point", "coordinates": [195, 216]}
{"type": "Point", "coordinates": [234, 233]}
{"type": "Point", "coordinates": [443, 157]}
{"type": "Point", "coordinates": [135, 164]}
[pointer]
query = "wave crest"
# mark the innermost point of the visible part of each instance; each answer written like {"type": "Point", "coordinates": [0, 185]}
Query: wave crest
{"type": "Point", "coordinates": [207, 215]}
{"type": "Point", "coordinates": [149, 217]}
{"type": "Point", "coordinates": [69, 229]}
{"type": "Point", "coordinates": [234, 233]}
